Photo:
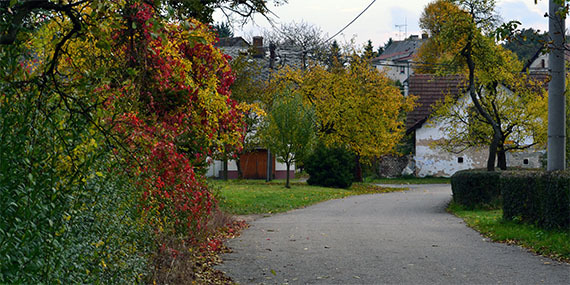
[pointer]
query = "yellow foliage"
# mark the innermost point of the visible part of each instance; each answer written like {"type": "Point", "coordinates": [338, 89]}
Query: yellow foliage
{"type": "Point", "coordinates": [356, 106]}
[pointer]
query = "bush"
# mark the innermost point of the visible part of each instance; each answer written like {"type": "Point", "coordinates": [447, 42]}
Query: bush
{"type": "Point", "coordinates": [330, 167]}
{"type": "Point", "coordinates": [537, 197]}
{"type": "Point", "coordinates": [476, 188]}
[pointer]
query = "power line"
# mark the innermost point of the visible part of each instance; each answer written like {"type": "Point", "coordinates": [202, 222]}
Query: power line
{"type": "Point", "coordinates": [341, 30]}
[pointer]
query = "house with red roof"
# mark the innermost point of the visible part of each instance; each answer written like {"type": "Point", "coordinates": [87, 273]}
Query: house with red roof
{"type": "Point", "coordinates": [431, 160]}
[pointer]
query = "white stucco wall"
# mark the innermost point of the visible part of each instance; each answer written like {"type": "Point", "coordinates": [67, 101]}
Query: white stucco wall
{"type": "Point", "coordinates": [431, 160]}
{"type": "Point", "coordinates": [393, 70]}
{"type": "Point", "coordinates": [217, 165]}
{"type": "Point", "coordinates": [434, 161]}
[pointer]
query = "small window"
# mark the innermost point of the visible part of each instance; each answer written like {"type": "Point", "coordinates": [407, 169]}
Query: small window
{"type": "Point", "coordinates": [542, 64]}
{"type": "Point", "coordinates": [525, 161]}
{"type": "Point", "coordinates": [460, 159]}
{"type": "Point", "coordinates": [402, 69]}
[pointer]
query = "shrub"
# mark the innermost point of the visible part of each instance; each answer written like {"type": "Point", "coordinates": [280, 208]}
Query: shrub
{"type": "Point", "coordinates": [330, 167]}
{"type": "Point", "coordinates": [537, 197]}
{"type": "Point", "coordinates": [476, 188]}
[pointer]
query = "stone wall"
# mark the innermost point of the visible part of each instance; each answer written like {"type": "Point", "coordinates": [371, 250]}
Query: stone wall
{"type": "Point", "coordinates": [392, 165]}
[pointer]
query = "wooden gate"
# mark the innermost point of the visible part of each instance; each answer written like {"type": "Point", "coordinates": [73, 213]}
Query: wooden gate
{"type": "Point", "coordinates": [254, 165]}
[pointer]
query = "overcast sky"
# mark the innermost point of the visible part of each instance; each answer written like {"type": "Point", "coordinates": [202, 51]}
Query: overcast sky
{"type": "Point", "coordinates": [379, 22]}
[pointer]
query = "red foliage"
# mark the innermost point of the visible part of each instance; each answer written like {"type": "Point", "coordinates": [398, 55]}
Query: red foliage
{"type": "Point", "coordinates": [171, 135]}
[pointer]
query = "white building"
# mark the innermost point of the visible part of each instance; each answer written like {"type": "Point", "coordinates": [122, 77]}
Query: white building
{"type": "Point", "coordinates": [431, 160]}
{"type": "Point", "coordinates": [398, 59]}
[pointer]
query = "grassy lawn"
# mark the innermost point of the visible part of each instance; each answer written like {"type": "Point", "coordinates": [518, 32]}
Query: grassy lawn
{"type": "Point", "coordinates": [411, 180]}
{"type": "Point", "coordinates": [554, 244]}
{"type": "Point", "coordinates": [257, 197]}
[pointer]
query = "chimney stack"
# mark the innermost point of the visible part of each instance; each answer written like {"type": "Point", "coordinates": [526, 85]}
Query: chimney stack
{"type": "Point", "coordinates": [425, 36]}
{"type": "Point", "coordinates": [259, 51]}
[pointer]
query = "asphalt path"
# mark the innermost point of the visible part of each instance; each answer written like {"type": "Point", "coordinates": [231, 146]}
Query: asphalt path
{"type": "Point", "coordinates": [393, 238]}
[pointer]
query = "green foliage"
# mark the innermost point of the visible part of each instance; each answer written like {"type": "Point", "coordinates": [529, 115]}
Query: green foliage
{"type": "Point", "coordinates": [537, 197]}
{"type": "Point", "coordinates": [223, 30]}
{"type": "Point", "coordinates": [289, 131]}
{"type": "Point", "coordinates": [369, 52]}
{"type": "Point", "coordinates": [63, 216]}
{"type": "Point", "coordinates": [202, 10]}
{"type": "Point", "coordinates": [526, 43]}
{"type": "Point", "coordinates": [258, 197]}
{"type": "Point", "coordinates": [551, 243]}
{"type": "Point", "coordinates": [476, 188]}
{"type": "Point", "coordinates": [330, 167]}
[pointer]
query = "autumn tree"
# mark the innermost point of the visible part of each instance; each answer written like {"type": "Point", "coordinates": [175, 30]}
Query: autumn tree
{"type": "Point", "coordinates": [289, 130]}
{"type": "Point", "coordinates": [247, 88]}
{"type": "Point", "coordinates": [356, 106]}
{"type": "Point", "coordinates": [462, 33]}
{"type": "Point", "coordinates": [108, 111]}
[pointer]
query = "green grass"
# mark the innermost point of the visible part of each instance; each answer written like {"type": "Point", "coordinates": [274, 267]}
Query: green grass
{"type": "Point", "coordinates": [410, 180]}
{"type": "Point", "coordinates": [257, 197]}
{"type": "Point", "coordinates": [551, 243]}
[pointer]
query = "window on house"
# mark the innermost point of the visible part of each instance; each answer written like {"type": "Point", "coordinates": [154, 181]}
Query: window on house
{"type": "Point", "coordinates": [525, 161]}
{"type": "Point", "coordinates": [542, 64]}
{"type": "Point", "coordinates": [460, 159]}
{"type": "Point", "coordinates": [402, 69]}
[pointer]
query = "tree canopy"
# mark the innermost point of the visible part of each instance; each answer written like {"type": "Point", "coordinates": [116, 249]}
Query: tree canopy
{"type": "Point", "coordinates": [462, 33]}
{"type": "Point", "coordinates": [356, 106]}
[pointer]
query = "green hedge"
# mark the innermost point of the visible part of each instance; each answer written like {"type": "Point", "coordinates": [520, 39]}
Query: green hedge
{"type": "Point", "coordinates": [537, 197]}
{"type": "Point", "coordinates": [330, 167]}
{"type": "Point", "coordinates": [476, 188]}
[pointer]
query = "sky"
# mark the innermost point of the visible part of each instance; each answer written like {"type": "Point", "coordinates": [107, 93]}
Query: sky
{"type": "Point", "coordinates": [383, 20]}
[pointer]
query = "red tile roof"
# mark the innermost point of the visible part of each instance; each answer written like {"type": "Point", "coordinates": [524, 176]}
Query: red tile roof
{"type": "Point", "coordinates": [430, 89]}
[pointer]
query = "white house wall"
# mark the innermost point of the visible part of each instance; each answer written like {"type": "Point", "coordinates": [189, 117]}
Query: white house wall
{"type": "Point", "coordinates": [217, 166]}
{"type": "Point", "coordinates": [394, 72]}
{"type": "Point", "coordinates": [431, 160]}
{"type": "Point", "coordinates": [434, 161]}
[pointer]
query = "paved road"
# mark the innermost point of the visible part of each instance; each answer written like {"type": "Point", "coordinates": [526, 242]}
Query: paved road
{"type": "Point", "coordinates": [404, 237]}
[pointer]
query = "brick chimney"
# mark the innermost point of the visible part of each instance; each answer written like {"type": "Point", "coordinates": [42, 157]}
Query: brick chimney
{"type": "Point", "coordinates": [259, 51]}
{"type": "Point", "coordinates": [425, 36]}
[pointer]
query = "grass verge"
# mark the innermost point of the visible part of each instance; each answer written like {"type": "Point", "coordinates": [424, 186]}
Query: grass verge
{"type": "Point", "coordinates": [554, 244]}
{"type": "Point", "coordinates": [257, 197]}
{"type": "Point", "coordinates": [411, 180]}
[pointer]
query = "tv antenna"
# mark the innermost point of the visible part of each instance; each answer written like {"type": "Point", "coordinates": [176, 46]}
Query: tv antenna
{"type": "Point", "coordinates": [403, 27]}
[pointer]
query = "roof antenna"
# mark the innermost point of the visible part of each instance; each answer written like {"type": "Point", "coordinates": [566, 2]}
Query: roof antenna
{"type": "Point", "coordinates": [403, 27]}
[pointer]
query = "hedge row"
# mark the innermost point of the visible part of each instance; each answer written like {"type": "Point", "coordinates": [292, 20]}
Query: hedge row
{"type": "Point", "coordinates": [535, 197]}
{"type": "Point", "coordinates": [541, 198]}
{"type": "Point", "coordinates": [476, 188]}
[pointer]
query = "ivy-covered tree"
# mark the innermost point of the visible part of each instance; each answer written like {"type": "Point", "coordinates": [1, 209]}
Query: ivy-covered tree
{"type": "Point", "coordinates": [108, 110]}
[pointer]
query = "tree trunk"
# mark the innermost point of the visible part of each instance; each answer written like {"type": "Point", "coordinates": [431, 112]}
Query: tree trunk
{"type": "Point", "coordinates": [467, 52]}
{"type": "Point", "coordinates": [225, 170]}
{"type": "Point", "coordinates": [492, 155]}
{"type": "Point", "coordinates": [502, 159]}
{"type": "Point", "coordinates": [238, 163]}
{"type": "Point", "coordinates": [287, 175]}
{"type": "Point", "coordinates": [357, 169]}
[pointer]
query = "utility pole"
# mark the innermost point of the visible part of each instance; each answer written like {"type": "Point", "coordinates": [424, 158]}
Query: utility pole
{"type": "Point", "coordinates": [272, 56]}
{"type": "Point", "coordinates": [556, 95]}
